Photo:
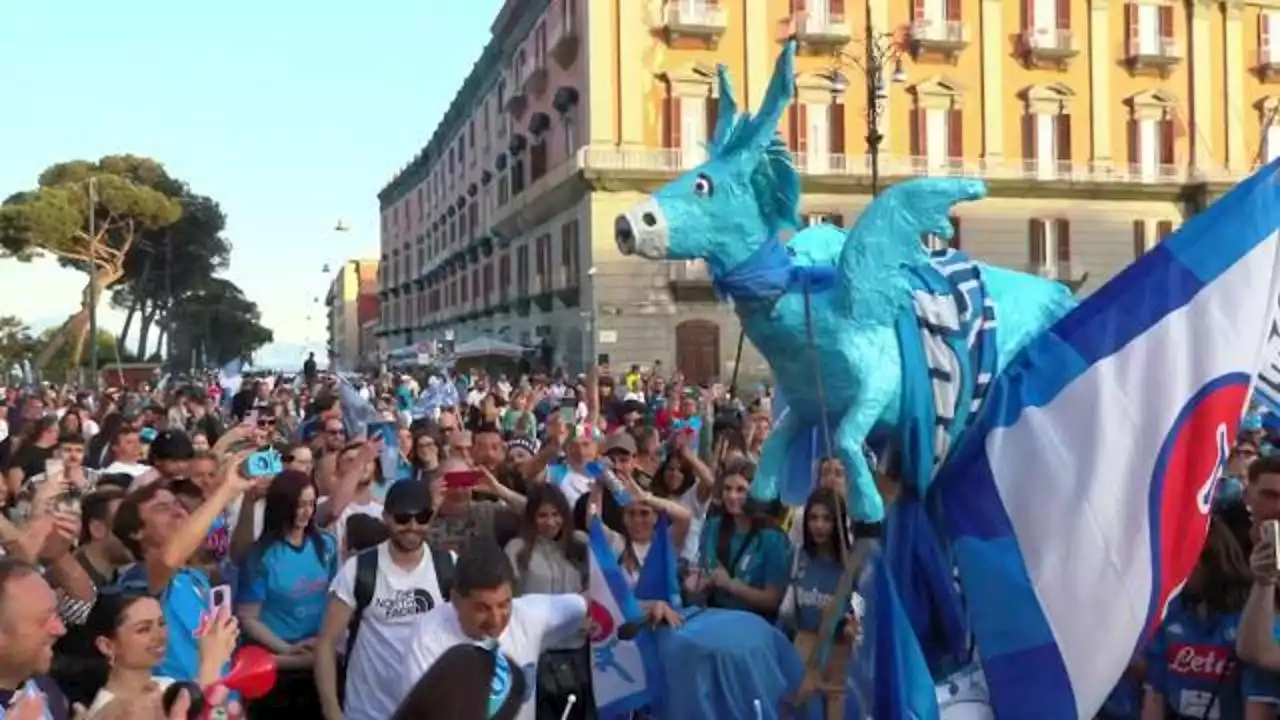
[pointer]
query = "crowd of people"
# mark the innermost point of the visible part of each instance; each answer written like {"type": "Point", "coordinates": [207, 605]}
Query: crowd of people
{"type": "Point", "coordinates": [430, 561]}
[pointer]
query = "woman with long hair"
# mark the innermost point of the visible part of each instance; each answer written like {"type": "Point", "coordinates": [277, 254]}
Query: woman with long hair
{"type": "Point", "coordinates": [816, 567]}
{"type": "Point", "coordinates": [745, 561]}
{"type": "Point", "coordinates": [547, 557]}
{"type": "Point", "coordinates": [683, 477]}
{"type": "Point", "coordinates": [467, 681]}
{"type": "Point", "coordinates": [1192, 669]}
{"type": "Point", "coordinates": [130, 634]}
{"type": "Point", "coordinates": [426, 453]}
{"type": "Point", "coordinates": [283, 589]}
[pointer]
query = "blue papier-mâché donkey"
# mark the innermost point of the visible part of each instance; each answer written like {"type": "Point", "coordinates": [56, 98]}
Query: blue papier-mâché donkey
{"type": "Point", "coordinates": [828, 308]}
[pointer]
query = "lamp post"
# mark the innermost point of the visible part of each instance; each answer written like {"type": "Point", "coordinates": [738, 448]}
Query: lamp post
{"type": "Point", "coordinates": [93, 282]}
{"type": "Point", "coordinates": [882, 50]}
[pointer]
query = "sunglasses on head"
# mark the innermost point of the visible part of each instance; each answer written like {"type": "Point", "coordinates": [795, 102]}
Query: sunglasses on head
{"type": "Point", "coordinates": [422, 517]}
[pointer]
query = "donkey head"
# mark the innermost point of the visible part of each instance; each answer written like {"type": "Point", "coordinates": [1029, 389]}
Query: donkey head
{"type": "Point", "coordinates": [747, 191]}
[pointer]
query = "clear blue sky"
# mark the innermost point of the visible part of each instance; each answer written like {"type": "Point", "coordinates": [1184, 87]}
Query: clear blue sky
{"type": "Point", "coordinates": [291, 114]}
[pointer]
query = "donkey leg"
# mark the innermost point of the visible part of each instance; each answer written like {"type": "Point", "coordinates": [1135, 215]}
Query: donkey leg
{"type": "Point", "coordinates": [773, 458]}
{"type": "Point", "coordinates": [865, 504]}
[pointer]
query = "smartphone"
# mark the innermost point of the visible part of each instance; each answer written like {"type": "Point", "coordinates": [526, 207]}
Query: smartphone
{"type": "Point", "coordinates": [147, 434]}
{"type": "Point", "coordinates": [568, 414]}
{"type": "Point", "coordinates": [462, 479]}
{"type": "Point", "coordinates": [220, 601]}
{"type": "Point", "coordinates": [1271, 534]}
{"type": "Point", "coordinates": [251, 417]}
{"type": "Point", "coordinates": [264, 463]}
{"type": "Point", "coordinates": [69, 501]}
{"type": "Point", "coordinates": [53, 468]}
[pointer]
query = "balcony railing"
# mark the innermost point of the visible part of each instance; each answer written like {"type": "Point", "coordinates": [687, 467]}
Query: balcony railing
{"type": "Point", "coordinates": [669, 161]}
{"type": "Point", "coordinates": [1054, 270]}
{"type": "Point", "coordinates": [1269, 61]}
{"type": "Point", "coordinates": [695, 17]}
{"type": "Point", "coordinates": [1156, 52]}
{"type": "Point", "coordinates": [688, 272]}
{"type": "Point", "coordinates": [562, 39]}
{"type": "Point", "coordinates": [1050, 44]}
{"type": "Point", "coordinates": [946, 36]}
{"type": "Point", "coordinates": [823, 28]}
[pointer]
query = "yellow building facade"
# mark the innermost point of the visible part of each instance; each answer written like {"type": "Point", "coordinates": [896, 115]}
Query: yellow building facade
{"type": "Point", "coordinates": [1099, 124]}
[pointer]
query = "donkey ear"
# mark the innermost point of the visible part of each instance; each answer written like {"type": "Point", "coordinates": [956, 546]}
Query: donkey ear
{"type": "Point", "coordinates": [728, 108]}
{"type": "Point", "coordinates": [781, 91]}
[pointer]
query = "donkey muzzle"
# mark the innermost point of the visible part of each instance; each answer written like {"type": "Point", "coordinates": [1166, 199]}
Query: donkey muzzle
{"type": "Point", "coordinates": [642, 231]}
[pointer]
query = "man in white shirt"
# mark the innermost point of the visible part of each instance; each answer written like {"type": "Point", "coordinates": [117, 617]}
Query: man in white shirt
{"type": "Point", "coordinates": [407, 581]}
{"type": "Point", "coordinates": [126, 451]}
{"type": "Point", "coordinates": [483, 611]}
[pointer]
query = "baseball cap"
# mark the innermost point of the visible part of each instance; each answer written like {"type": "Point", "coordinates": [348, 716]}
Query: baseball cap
{"type": "Point", "coordinates": [620, 441]}
{"type": "Point", "coordinates": [407, 497]}
{"type": "Point", "coordinates": [171, 445]}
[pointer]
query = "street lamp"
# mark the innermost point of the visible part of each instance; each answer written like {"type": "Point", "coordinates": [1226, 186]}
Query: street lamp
{"type": "Point", "coordinates": [882, 50]}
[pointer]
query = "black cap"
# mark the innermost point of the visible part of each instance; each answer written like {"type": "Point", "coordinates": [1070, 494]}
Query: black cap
{"type": "Point", "coordinates": [407, 497]}
{"type": "Point", "coordinates": [171, 445]}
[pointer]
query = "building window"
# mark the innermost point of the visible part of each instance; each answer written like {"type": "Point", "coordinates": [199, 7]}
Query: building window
{"type": "Point", "coordinates": [540, 44]}
{"type": "Point", "coordinates": [1150, 29]}
{"type": "Point", "coordinates": [517, 176]}
{"type": "Point", "coordinates": [1151, 145]}
{"type": "Point", "coordinates": [569, 252]}
{"type": "Point", "coordinates": [938, 135]}
{"type": "Point", "coordinates": [816, 133]}
{"type": "Point", "coordinates": [522, 271]}
{"type": "Point", "coordinates": [684, 123]}
{"type": "Point", "coordinates": [537, 159]}
{"type": "Point", "coordinates": [504, 190]}
{"type": "Point", "coordinates": [473, 215]}
{"type": "Point", "coordinates": [487, 279]}
{"type": "Point", "coordinates": [1049, 248]}
{"type": "Point", "coordinates": [464, 228]}
{"type": "Point", "coordinates": [1046, 142]}
{"type": "Point", "coordinates": [504, 275]}
{"type": "Point", "coordinates": [471, 137]}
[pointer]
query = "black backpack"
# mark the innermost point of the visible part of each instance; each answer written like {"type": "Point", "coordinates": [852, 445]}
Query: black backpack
{"type": "Point", "coordinates": [367, 580]}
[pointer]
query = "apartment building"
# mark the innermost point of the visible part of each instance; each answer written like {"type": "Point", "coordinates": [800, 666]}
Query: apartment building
{"type": "Point", "coordinates": [353, 299]}
{"type": "Point", "coordinates": [1099, 124]}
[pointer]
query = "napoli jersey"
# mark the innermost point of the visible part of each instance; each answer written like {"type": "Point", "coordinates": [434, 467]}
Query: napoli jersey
{"type": "Point", "coordinates": [291, 585]}
{"type": "Point", "coordinates": [814, 587]}
{"type": "Point", "coordinates": [1191, 663]}
{"type": "Point", "coordinates": [761, 559]}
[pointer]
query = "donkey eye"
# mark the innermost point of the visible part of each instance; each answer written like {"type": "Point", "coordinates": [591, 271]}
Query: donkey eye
{"type": "Point", "coordinates": [702, 186]}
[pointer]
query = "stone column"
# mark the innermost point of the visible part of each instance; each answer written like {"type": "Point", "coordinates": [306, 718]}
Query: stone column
{"type": "Point", "coordinates": [993, 90]}
{"type": "Point", "coordinates": [1100, 69]}
{"type": "Point", "coordinates": [1238, 156]}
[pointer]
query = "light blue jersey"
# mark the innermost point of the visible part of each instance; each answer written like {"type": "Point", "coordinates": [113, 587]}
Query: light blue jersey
{"type": "Point", "coordinates": [185, 602]}
{"type": "Point", "coordinates": [291, 585]}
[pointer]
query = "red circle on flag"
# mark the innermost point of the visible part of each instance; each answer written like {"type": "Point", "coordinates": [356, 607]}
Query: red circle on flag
{"type": "Point", "coordinates": [602, 625]}
{"type": "Point", "coordinates": [1191, 460]}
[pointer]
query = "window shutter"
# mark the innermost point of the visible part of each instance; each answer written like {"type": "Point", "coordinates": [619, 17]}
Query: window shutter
{"type": "Point", "coordinates": [1029, 136]}
{"type": "Point", "coordinates": [1135, 142]}
{"type": "Point", "coordinates": [917, 141]}
{"type": "Point", "coordinates": [1264, 36]}
{"type": "Point", "coordinates": [802, 132]}
{"type": "Point", "coordinates": [837, 128]}
{"type": "Point", "coordinates": [953, 11]}
{"type": "Point", "coordinates": [955, 134]}
{"type": "Point", "coordinates": [1035, 243]}
{"type": "Point", "coordinates": [671, 122]}
{"type": "Point", "coordinates": [1028, 14]}
{"type": "Point", "coordinates": [713, 114]}
{"type": "Point", "coordinates": [1164, 229]}
{"type": "Point", "coordinates": [955, 234]}
{"type": "Point", "coordinates": [918, 10]}
{"type": "Point", "coordinates": [1139, 238]}
{"type": "Point", "coordinates": [1064, 14]}
{"type": "Point", "coordinates": [1166, 142]}
{"type": "Point", "coordinates": [836, 7]}
{"type": "Point", "coordinates": [922, 132]}
{"type": "Point", "coordinates": [793, 126]}
{"type": "Point", "coordinates": [1062, 236]}
{"type": "Point", "coordinates": [797, 6]}
{"type": "Point", "coordinates": [1131, 27]}
{"type": "Point", "coordinates": [1064, 137]}
{"type": "Point", "coordinates": [1166, 21]}
{"type": "Point", "coordinates": [837, 219]}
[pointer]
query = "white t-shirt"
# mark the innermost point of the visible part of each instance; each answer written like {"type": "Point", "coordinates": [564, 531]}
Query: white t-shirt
{"type": "Point", "coordinates": [133, 469]}
{"type": "Point", "coordinates": [105, 696]}
{"type": "Point", "coordinates": [389, 625]}
{"type": "Point", "coordinates": [538, 623]}
{"type": "Point", "coordinates": [373, 509]}
{"type": "Point", "coordinates": [574, 485]}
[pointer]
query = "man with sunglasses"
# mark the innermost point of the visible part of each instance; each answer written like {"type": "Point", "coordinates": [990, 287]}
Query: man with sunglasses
{"type": "Point", "coordinates": [379, 597]}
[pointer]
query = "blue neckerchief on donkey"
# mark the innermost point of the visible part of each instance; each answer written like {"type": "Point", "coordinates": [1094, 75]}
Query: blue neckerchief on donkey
{"type": "Point", "coordinates": [769, 273]}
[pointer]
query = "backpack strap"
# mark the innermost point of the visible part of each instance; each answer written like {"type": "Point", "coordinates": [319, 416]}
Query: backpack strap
{"type": "Point", "coordinates": [443, 562]}
{"type": "Point", "coordinates": [366, 581]}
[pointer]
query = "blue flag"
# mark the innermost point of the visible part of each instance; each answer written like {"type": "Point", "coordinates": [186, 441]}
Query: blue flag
{"type": "Point", "coordinates": [357, 413]}
{"type": "Point", "coordinates": [621, 670]}
{"type": "Point", "coordinates": [657, 579]}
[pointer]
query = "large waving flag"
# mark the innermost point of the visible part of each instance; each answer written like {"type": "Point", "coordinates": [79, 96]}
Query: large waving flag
{"type": "Point", "coordinates": [891, 675]}
{"type": "Point", "coordinates": [1079, 501]}
{"type": "Point", "coordinates": [357, 413]}
{"type": "Point", "coordinates": [230, 377]}
{"type": "Point", "coordinates": [620, 668]}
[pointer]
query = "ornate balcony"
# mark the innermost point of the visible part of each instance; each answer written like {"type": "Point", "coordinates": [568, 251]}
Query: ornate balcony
{"type": "Point", "coordinates": [695, 18]}
{"type": "Point", "coordinates": [1050, 46]}
{"type": "Point", "coordinates": [940, 37]}
{"type": "Point", "coordinates": [1268, 63]}
{"type": "Point", "coordinates": [563, 40]}
{"type": "Point", "coordinates": [1160, 54]}
{"type": "Point", "coordinates": [535, 82]}
{"type": "Point", "coordinates": [827, 30]}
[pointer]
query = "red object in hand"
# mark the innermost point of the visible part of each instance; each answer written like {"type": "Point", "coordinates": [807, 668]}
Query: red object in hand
{"type": "Point", "coordinates": [462, 479]}
{"type": "Point", "coordinates": [687, 430]}
{"type": "Point", "coordinates": [253, 672]}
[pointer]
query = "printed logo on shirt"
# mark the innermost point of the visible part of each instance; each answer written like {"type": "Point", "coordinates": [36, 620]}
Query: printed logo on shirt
{"type": "Point", "coordinates": [812, 597]}
{"type": "Point", "coordinates": [405, 603]}
{"type": "Point", "coordinates": [1202, 662]}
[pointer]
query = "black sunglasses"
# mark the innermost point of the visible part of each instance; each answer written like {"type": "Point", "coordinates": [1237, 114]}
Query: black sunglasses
{"type": "Point", "coordinates": [422, 517]}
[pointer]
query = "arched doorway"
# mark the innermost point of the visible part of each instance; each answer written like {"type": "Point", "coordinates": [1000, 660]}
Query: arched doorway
{"type": "Point", "coordinates": [698, 350]}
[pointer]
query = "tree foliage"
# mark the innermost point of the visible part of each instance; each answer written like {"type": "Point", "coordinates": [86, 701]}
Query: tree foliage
{"type": "Point", "coordinates": [119, 192]}
{"type": "Point", "coordinates": [217, 324]}
{"type": "Point", "coordinates": [17, 343]}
